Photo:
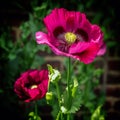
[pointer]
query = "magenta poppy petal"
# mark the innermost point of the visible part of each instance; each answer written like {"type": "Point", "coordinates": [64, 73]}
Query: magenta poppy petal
{"type": "Point", "coordinates": [69, 20]}
{"type": "Point", "coordinates": [72, 20]}
{"type": "Point", "coordinates": [78, 48]}
{"type": "Point", "coordinates": [97, 37]}
{"type": "Point", "coordinates": [42, 89]}
{"type": "Point", "coordinates": [43, 38]}
{"type": "Point", "coordinates": [33, 93]}
{"type": "Point", "coordinates": [96, 34]}
{"type": "Point", "coordinates": [102, 50]}
{"type": "Point", "coordinates": [55, 19]}
{"type": "Point", "coordinates": [85, 52]}
{"type": "Point", "coordinates": [33, 76]}
{"type": "Point", "coordinates": [43, 75]}
{"type": "Point", "coordinates": [85, 25]}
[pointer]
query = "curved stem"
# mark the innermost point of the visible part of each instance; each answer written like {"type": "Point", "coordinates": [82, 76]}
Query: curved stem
{"type": "Point", "coordinates": [58, 93]}
{"type": "Point", "coordinates": [59, 101]}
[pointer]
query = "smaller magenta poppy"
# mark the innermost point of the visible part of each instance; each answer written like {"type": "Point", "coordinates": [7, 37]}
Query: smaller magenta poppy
{"type": "Point", "coordinates": [70, 34]}
{"type": "Point", "coordinates": [32, 85]}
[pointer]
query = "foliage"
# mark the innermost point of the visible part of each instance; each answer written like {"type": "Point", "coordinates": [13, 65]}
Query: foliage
{"type": "Point", "coordinates": [32, 116]}
{"type": "Point", "coordinates": [85, 80]}
{"type": "Point", "coordinates": [97, 115]}
{"type": "Point", "coordinates": [88, 78]}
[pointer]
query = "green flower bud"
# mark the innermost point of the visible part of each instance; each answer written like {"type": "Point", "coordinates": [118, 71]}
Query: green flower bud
{"type": "Point", "coordinates": [54, 75]}
{"type": "Point", "coordinates": [49, 96]}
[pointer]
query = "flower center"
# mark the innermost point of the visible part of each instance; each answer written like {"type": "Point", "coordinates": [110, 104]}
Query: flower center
{"type": "Point", "coordinates": [70, 37]}
{"type": "Point", "coordinates": [33, 86]}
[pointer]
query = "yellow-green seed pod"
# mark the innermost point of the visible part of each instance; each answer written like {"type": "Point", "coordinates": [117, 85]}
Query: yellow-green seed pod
{"type": "Point", "coordinates": [49, 96]}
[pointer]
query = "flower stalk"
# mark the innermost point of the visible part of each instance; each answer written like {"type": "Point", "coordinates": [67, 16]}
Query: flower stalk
{"type": "Point", "coordinates": [68, 86]}
{"type": "Point", "coordinates": [58, 93]}
{"type": "Point", "coordinates": [60, 114]}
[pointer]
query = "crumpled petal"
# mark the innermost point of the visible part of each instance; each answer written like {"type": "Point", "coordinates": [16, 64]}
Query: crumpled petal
{"type": "Point", "coordinates": [97, 37]}
{"type": "Point", "coordinates": [43, 38]}
{"type": "Point", "coordinates": [84, 51]}
{"type": "Point", "coordinates": [102, 50]}
{"type": "Point", "coordinates": [23, 86]}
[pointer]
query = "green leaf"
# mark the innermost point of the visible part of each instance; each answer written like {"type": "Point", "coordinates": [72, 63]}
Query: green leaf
{"type": "Point", "coordinates": [96, 115]}
{"type": "Point", "coordinates": [75, 86]}
{"type": "Point", "coordinates": [75, 103]}
{"type": "Point", "coordinates": [31, 114]}
{"type": "Point", "coordinates": [101, 118]}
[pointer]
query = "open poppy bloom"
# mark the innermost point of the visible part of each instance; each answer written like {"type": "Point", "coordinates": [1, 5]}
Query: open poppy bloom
{"type": "Point", "coordinates": [32, 85]}
{"type": "Point", "coordinates": [71, 34]}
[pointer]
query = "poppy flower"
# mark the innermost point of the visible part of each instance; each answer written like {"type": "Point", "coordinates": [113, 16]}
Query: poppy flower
{"type": "Point", "coordinates": [32, 85]}
{"type": "Point", "coordinates": [71, 34]}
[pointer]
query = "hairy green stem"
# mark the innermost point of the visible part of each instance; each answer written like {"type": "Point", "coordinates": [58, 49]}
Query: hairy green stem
{"type": "Point", "coordinates": [59, 100]}
{"type": "Point", "coordinates": [68, 86]}
{"type": "Point", "coordinates": [58, 93]}
{"type": "Point", "coordinates": [68, 75]}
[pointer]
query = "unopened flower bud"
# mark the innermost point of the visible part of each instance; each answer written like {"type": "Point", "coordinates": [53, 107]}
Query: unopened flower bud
{"type": "Point", "coordinates": [49, 96]}
{"type": "Point", "coordinates": [54, 75]}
